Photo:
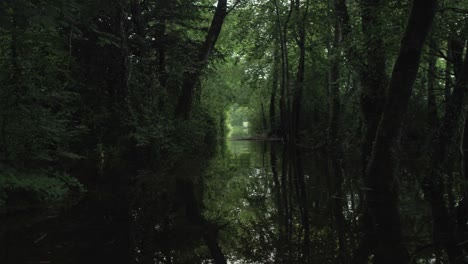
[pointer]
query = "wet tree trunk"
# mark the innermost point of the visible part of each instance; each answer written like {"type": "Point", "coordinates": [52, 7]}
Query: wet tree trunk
{"type": "Point", "coordinates": [291, 182]}
{"type": "Point", "coordinates": [382, 171]}
{"type": "Point", "coordinates": [335, 153]}
{"type": "Point", "coordinates": [279, 205]}
{"type": "Point", "coordinates": [191, 76]}
{"type": "Point", "coordinates": [444, 151]}
{"type": "Point", "coordinates": [186, 190]}
{"type": "Point", "coordinates": [298, 177]}
{"type": "Point", "coordinates": [286, 204]}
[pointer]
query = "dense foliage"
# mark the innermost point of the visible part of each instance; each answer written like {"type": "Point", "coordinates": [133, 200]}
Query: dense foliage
{"type": "Point", "coordinates": [124, 101]}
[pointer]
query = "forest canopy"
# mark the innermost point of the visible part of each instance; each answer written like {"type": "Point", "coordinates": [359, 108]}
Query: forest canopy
{"type": "Point", "coordinates": [129, 111]}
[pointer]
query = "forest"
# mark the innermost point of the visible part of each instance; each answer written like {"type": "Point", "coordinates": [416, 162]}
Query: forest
{"type": "Point", "coordinates": [234, 131]}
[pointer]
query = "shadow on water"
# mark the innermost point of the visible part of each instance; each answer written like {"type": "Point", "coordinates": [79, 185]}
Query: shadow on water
{"type": "Point", "coordinates": [252, 202]}
{"type": "Point", "coordinates": [94, 230]}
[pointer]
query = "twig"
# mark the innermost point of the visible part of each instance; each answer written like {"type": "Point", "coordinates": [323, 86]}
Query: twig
{"type": "Point", "coordinates": [234, 6]}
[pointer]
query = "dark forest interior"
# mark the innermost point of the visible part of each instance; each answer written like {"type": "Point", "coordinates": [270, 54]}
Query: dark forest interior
{"type": "Point", "coordinates": [233, 131]}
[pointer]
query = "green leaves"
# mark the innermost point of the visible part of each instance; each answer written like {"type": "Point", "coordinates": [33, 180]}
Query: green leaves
{"type": "Point", "coordinates": [46, 22]}
{"type": "Point", "coordinates": [40, 188]}
{"type": "Point", "coordinates": [105, 39]}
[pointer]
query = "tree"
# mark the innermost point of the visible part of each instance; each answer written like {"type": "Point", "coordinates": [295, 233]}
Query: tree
{"type": "Point", "coordinates": [381, 172]}
{"type": "Point", "coordinates": [444, 145]}
{"type": "Point", "coordinates": [191, 76]}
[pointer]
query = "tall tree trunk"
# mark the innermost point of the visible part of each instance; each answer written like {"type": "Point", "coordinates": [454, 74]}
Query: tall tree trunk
{"type": "Point", "coordinates": [444, 150]}
{"type": "Point", "coordinates": [274, 88]}
{"type": "Point", "coordinates": [15, 84]}
{"type": "Point", "coordinates": [462, 210]}
{"type": "Point", "coordinates": [454, 62]}
{"type": "Point", "coordinates": [162, 73]}
{"type": "Point", "coordinates": [283, 101]}
{"type": "Point", "coordinates": [135, 10]}
{"type": "Point", "coordinates": [374, 79]}
{"type": "Point", "coordinates": [431, 98]}
{"type": "Point", "coordinates": [285, 200]}
{"type": "Point", "coordinates": [448, 77]}
{"type": "Point", "coordinates": [297, 173]}
{"type": "Point", "coordinates": [191, 76]}
{"type": "Point", "coordinates": [335, 153]}
{"type": "Point", "coordinates": [299, 84]}
{"type": "Point", "coordinates": [124, 56]}
{"type": "Point", "coordinates": [382, 170]}
{"type": "Point", "coordinates": [279, 204]}
{"type": "Point", "coordinates": [456, 48]}
{"type": "Point", "coordinates": [264, 119]}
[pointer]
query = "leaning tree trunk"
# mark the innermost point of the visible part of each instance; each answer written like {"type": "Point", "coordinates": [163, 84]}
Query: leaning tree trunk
{"type": "Point", "coordinates": [382, 195]}
{"type": "Point", "coordinates": [191, 76]}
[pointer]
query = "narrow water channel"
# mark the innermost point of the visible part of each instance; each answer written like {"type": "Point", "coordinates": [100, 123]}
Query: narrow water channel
{"type": "Point", "coordinates": [249, 202]}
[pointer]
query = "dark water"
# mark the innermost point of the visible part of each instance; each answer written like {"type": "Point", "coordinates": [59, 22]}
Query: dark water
{"type": "Point", "coordinates": [251, 202]}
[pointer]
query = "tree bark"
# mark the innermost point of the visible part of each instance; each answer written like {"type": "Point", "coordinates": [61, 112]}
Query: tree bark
{"type": "Point", "coordinates": [373, 77]}
{"type": "Point", "coordinates": [191, 76]}
{"type": "Point", "coordinates": [335, 152]}
{"type": "Point", "coordinates": [456, 46]}
{"type": "Point", "coordinates": [264, 119]}
{"type": "Point", "coordinates": [299, 84]}
{"type": "Point", "coordinates": [462, 210]}
{"type": "Point", "coordinates": [15, 85]}
{"type": "Point", "coordinates": [431, 98]}
{"type": "Point", "coordinates": [445, 145]}
{"type": "Point", "coordinates": [374, 80]}
{"type": "Point", "coordinates": [274, 88]}
{"type": "Point", "coordinates": [283, 101]}
{"type": "Point", "coordinates": [382, 193]}
{"type": "Point", "coordinates": [448, 77]}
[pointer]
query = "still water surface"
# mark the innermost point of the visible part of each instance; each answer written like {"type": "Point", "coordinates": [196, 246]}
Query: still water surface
{"type": "Point", "coordinates": [251, 202]}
